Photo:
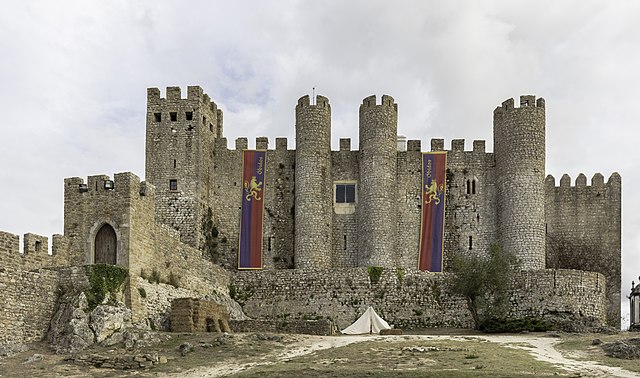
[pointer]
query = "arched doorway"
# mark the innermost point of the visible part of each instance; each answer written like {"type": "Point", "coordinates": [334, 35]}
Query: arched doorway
{"type": "Point", "coordinates": [105, 246]}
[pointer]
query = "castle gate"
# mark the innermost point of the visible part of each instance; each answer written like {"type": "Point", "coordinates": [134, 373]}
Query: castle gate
{"type": "Point", "coordinates": [105, 246]}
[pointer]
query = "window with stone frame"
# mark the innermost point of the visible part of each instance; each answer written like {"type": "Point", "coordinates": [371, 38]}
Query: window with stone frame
{"type": "Point", "coordinates": [345, 193]}
{"type": "Point", "coordinates": [173, 184]}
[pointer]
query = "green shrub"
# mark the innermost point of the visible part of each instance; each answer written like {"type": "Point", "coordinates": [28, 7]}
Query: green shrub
{"type": "Point", "coordinates": [155, 276]}
{"type": "Point", "coordinates": [174, 280]}
{"type": "Point", "coordinates": [105, 282]}
{"type": "Point", "coordinates": [375, 272]}
{"type": "Point", "coordinates": [143, 292]}
{"type": "Point", "coordinates": [511, 325]}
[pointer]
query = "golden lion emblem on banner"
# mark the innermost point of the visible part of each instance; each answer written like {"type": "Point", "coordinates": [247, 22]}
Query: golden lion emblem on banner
{"type": "Point", "coordinates": [252, 189]}
{"type": "Point", "coordinates": [433, 192]}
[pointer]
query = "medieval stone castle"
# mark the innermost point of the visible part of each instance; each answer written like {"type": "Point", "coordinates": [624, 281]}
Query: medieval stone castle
{"type": "Point", "coordinates": [330, 214]}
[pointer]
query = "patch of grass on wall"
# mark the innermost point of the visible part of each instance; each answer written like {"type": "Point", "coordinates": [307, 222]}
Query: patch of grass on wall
{"type": "Point", "coordinates": [375, 272]}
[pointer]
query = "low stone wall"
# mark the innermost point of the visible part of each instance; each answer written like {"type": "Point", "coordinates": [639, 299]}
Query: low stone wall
{"type": "Point", "coordinates": [408, 299]}
{"type": "Point", "coordinates": [198, 315]}
{"type": "Point", "coordinates": [307, 327]}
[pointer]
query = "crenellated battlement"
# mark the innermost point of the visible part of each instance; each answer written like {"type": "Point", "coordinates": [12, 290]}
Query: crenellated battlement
{"type": "Point", "coordinates": [174, 94]}
{"type": "Point", "coordinates": [385, 101]}
{"type": "Point", "coordinates": [414, 145]}
{"type": "Point", "coordinates": [322, 102]}
{"type": "Point", "coordinates": [125, 183]}
{"type": "Point", "coordinates": [597, 181]}
{"type": "Point", "coordinates": [526, 101]}
{"type": "Point", "coordinates": [457, 146]}
{"type": "Point", "coordinates": [35, 251]}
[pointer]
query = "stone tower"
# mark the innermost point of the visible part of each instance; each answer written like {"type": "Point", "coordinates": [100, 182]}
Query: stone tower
{"type": "Point", "coordinates": [377, 187]}
{"type": "Point", "coordinates": [519, 148]}
{"type": "Point", "coordinates": [314, 189]}
{"type": "Point", "coordinates": [179, 157]}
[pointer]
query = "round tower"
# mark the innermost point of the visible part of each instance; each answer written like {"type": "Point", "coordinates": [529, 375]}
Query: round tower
{"type": "Point", "coordinates": [377, 186]}
{"type": "Point", "coordinates": [519, 149]}
{"type": "Point", "coordinates": [313, 186]}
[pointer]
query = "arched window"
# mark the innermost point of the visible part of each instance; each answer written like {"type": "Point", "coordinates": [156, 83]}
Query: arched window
{"type": "Point", "coordinates": [468, 186]}
{"type": "Point", "coordinates": [473, 186]}
{"type": "Point", "coordinates": [105, 246]}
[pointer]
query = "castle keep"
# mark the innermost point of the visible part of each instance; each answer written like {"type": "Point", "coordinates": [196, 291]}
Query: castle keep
{"type": "Point", "coordinates": [328, 215]}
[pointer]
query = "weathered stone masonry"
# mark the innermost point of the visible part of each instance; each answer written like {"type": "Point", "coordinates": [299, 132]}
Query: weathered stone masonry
{"type": "Point", "coordinates": [157, 225]}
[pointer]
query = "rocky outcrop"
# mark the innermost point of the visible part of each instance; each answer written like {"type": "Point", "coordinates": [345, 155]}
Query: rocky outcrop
{"type": "Point", "coordinates": [74, 327]}
{"type": "Point", "coordinates": [70, 331]}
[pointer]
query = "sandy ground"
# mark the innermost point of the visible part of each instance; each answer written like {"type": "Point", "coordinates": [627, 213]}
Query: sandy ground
{"type": "Point", "coordinates": [540, 347]}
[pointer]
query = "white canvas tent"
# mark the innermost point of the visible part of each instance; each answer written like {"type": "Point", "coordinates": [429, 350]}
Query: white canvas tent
{"type": "Point", "coordinates": [369, 322]}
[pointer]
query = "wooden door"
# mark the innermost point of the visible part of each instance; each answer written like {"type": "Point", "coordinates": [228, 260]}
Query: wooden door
{"type": "Point", "coordinates": [105, 246]}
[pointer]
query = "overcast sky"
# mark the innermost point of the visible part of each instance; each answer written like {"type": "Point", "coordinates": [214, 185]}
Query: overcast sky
{"type": "Point", "coordinates": [75, 75]}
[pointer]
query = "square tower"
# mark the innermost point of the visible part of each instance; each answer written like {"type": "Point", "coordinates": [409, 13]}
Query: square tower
{"type": "Point", "coordinates": [179, 157]}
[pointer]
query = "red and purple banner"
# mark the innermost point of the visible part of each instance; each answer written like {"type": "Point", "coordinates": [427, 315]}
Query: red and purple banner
{"type": "Point", "coordinates": [250, 252]}
{"type": "Point", "coordinates": [434, 166]}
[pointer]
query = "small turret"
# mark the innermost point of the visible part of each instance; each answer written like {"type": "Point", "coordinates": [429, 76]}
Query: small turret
{"type": "Point", "coordinates": [519, 148]}
{"type": "Point", "coordinates": [314, 189]}
{"type": "Point", "coordinates": [377, 225]}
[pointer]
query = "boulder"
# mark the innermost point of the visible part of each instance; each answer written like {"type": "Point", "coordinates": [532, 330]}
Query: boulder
{"type": "Point", "coordinates": [105, 321]}
{"type": "Point", "coordinates": [625, 349]}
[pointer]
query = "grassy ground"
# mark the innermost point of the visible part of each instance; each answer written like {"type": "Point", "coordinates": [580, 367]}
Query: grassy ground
{"type": "Point", "coordinates": [580, 347]}
{"type": "Point", "coordinates": [411, 358]}
{"type": "Point", "coordinates": [258, 355]}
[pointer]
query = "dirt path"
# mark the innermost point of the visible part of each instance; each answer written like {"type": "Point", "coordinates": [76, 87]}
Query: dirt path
{"type": "Point", "coordinates": [307, 346]}
{"type": "Point", "coordinates": [541, 348]}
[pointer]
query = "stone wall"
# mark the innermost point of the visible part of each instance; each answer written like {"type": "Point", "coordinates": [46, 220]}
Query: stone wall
{"type": "Point", "coordinates": [28, 303]}
{"type": "Point", "coordinates": [407, 299]}
{"type": "Point", "coordinates": [278, 227]}
{"type": "Point", "coordinates": [198, 315]}
{"type": "Point", "coordinates": [345, 169]}
{"type": "Point", "coordinates": [35, 251]}
{"type": "Point", "coordinates": [322, 327]}
{"type": "Point", "coordinates": [470, 211]}
{"type": "Point", "coordinates": [583, 224]}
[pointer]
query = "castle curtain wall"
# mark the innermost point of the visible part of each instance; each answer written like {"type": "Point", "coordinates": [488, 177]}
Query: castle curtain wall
{"type": "Point", "coordinates": [583, 230]}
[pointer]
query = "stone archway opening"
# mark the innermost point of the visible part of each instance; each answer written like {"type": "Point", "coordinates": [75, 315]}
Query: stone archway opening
{"type": "Point", "coordinates": [105, 246]}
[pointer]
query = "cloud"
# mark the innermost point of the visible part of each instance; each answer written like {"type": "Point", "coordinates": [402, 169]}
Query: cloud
{"type": "Point", "coordinates": [75, 74]}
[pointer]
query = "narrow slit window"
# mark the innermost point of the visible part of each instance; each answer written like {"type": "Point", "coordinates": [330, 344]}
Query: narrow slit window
{"type": "Point", "coordinates": [188, 116]}
{"type": "Point", "coordinates": [174, 163]}
{"type": "Point", "coordinates": [468, 186]}
{"type": "Point", "coordinates": [173, 184]}
{"type": "Point", "coordinates": [173, 116]}
{"type": "Point", "coordinates": [345, 242]}
{"type": "Point", "coordinates": [470, 242]}
{"type": "Point", "coordinates": [473, 186]}
{"type": "Point", "coordinates": [269, 243]}
{"type": "Point", "coordinates": [157, 117]}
